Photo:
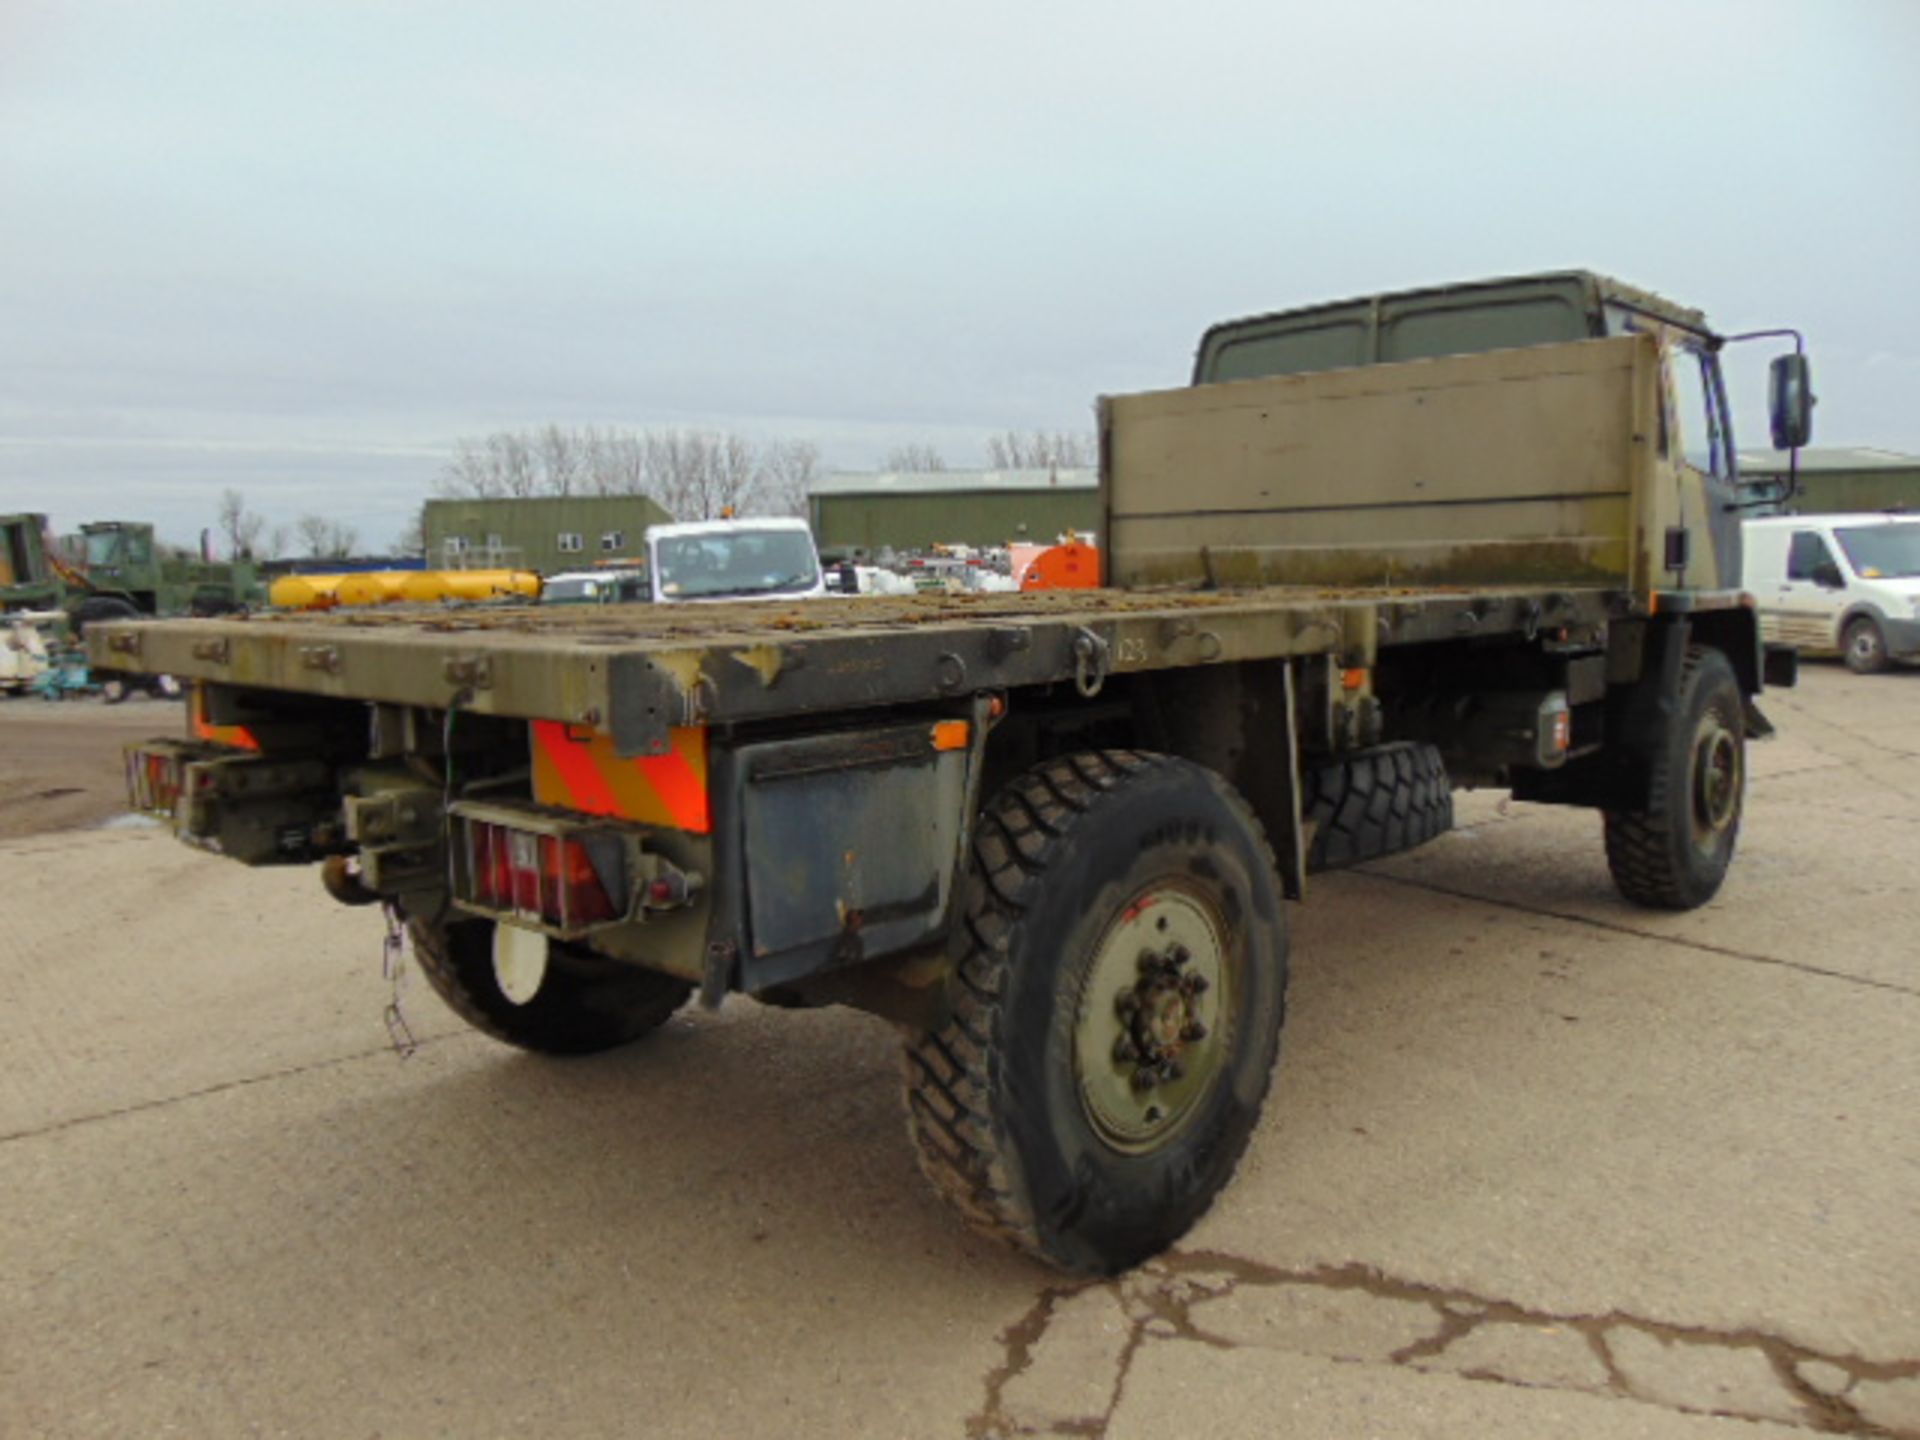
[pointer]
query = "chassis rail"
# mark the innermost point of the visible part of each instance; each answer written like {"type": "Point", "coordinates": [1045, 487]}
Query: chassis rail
{"type": "Point", "coordinates": [637, 672]}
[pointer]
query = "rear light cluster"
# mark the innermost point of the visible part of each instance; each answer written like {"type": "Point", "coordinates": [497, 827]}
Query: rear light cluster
{"type": "Point", "coordinates": [570, 883]}
{"type": "Point", "coordinates": [153, 781]}
{"type": "Point", "coordinates": [162, 775]}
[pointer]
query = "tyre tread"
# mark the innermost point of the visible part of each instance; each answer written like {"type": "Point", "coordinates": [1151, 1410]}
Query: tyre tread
{"type": "Point", "coordinates": [622, 1007]}
{"type": "Point", "coordinates": [1646, 865]}
{"type": "Point", "coordinates": [1375, 803]}
{"type": "Point", "coordinates": [968, 1158]}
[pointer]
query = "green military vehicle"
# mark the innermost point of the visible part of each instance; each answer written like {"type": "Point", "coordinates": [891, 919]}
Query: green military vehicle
{"type": "Point", "coordinates": [122, 573]}
{"type": "Point", "coordinates": [1377, 550]}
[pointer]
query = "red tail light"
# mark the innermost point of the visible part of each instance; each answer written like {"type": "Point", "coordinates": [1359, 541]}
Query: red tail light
{"type": "Point", "coordinates": [155, 778]}
{"type": "Point", "coordinates": [541, 877]}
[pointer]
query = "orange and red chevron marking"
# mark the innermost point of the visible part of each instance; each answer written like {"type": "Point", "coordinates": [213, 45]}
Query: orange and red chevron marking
{"type": "Point", "coordinates": [236, 736]}
{"type": "Point", "coordinates": [577, 769]}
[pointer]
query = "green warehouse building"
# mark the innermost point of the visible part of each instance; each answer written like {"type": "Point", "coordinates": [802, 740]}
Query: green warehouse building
{"type": "Point", "coordinates": [864, 512]}
{"type": "Point", "coordinates": [1843, 479]}
{"type": "Point", "coordinates": [543, 533]}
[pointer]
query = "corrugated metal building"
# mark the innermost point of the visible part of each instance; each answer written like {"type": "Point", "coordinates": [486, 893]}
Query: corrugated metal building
{"type": "Point", "coordinates": [544, 533]}
{"type": "Point", "coordinates": [1842, 478]}
{"type": "Point", "coordinates": [912, 510]}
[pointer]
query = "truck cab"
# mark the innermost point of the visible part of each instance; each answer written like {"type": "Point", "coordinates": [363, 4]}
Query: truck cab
{"type": "Point", "coordinates": [751, 559]}
{"type": "Point", "coordinates": [1694, 541]}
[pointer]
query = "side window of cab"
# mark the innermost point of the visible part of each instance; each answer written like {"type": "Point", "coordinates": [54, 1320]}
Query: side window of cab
{"type": "Point", "coordinates": [1809, 559]}
{"type": "Point", "coordinates": [1699, 412]}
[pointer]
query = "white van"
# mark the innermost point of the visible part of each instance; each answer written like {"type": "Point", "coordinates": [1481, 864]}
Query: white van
{"type": "Point", "coordinates": [1838, 583]}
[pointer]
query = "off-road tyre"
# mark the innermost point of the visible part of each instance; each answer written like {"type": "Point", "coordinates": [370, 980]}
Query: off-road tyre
{"type": "Point", "coordinates": [1863, 646]}
{"type": "Point", "coordinates": [585, 1003]}
{"type": "Point", "coordinates": [1063, 860]}
{"type": "Point", "coordinates": [1374, 802]}
{"type": "Point", "coordinates": [1674, 854]}
{"type": "Point", "coordinates": [99, 608]}
{"type": "Point", "coordinates": [115, 688]}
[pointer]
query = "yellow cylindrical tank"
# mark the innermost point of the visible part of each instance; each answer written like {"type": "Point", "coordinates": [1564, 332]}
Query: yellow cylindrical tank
{"type": "Point", "coordinates": [487, 584]}
{"type": "Point", "coordinates": [304, 592]}
{"type": "Point", "coordinates": [372, 587]}
{"type": "Point", "coordinates": [424, 586]}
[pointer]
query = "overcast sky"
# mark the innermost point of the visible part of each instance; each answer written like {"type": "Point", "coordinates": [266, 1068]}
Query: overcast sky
{"type": "Point", "coordinates": [300, 248]}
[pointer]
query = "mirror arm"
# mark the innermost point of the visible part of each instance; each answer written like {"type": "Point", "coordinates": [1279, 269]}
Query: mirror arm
{"type": "Point", "coordinates": [1799, 340]}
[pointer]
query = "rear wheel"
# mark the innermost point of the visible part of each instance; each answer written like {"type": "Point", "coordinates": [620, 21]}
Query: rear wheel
{"type": "Point", "coordinates": [1374, 802]}
{"type": "Point", "coordinates": [1674, 854]}
{"type": "Point", "coordinates": [100, 608]}
{"type": "Point", "coordinates": [1119, 988]}
{"type": "Point", "coordinates": [1863, 646]}
{"type": "Point", "coordinates": [539, 994]}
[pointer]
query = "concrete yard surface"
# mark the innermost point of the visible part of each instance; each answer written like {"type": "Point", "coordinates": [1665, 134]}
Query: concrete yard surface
{"type": "Point", "coordinates": [1536, 1163]}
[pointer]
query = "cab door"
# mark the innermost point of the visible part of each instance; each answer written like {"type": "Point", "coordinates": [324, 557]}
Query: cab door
{"type": "Point", "coordinates": [1810, 599]}
{"type": "Point", "coordinates": [1703, 449]}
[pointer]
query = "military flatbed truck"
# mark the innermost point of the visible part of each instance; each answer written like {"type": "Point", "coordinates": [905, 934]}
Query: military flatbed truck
{"type": "Point", "coordinates": [1377, 550]}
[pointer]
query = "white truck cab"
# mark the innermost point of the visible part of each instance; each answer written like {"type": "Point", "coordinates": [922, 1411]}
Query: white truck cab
{"type": "Point", "coordinates": [1846, 584]}
{"type": "Point", "coordinates": [751, 559]}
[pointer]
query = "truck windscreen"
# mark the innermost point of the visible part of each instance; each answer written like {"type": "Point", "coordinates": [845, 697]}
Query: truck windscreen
{"type": "Point", "coordinates": [735, 563]}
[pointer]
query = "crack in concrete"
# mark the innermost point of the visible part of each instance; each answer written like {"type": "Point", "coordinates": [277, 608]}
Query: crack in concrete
{"type": "Point", "coordinates": [222, 1087]}
{"type": "Point", "coordinates": [1613, 927]}
{"type": "Point", "coordinates": [1018, 1341]}
{"type": "Point", "coordinates": [1159, 1300]}
{"type": "Point", "coordinates": [1851, 762]}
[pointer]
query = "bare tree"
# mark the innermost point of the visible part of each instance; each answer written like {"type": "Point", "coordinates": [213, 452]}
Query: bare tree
{"type": "Point", "coordinates": [279, 541]}
{"type": "Point", "coordinates": [915, 457]}
{"type": "Point", "coordinates": [413, 539]}
{"type": "Point", "coordinates": [616, 462]}
{"type": "Point", "coordinates": [1039, 450]}
{"type": "Point", "coordinates": [502, 464]}
{"type": "Point", "coordinates": [699, 474]}
{"type": "Point", "coordinates": [559, 460]}
{"type": "Point", "coordinates": [239, 525]}
{"type": "Point", "coordinates": [788, 469]}
{"type": "Point", "coordinates": [326, 539]}
{"type": "Point", "coordinates": [548, 461]}
{"type": "Point", "coordinates": [692, 474]}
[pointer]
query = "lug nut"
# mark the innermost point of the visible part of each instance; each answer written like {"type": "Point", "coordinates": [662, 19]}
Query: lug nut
{"type": "Point", "coordinates": [1145, 1079]}
{"type": "Point", "coordinates": [1149, 962]}
{"type": "Point", "coordinates": [1124, 1052]}
{"type": "Point", "coordinates": [1194, 984]}
{"type": "Point", "coordinates": [1179, 956]}
{"type": "Point", "coordinates": [1173, 1070]}
{"type": "Point", "coordinates": [1127, 1002]}
{"type": "Point", "coordinates": [1193, 1030]}
{"type": "Point", "coordinates": [1154, 1113]}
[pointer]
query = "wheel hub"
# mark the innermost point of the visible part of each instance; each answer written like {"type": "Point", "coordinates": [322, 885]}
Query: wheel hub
{"type": "Point", "coordinates": [1716, 777]}
{"type": "Point", "coordinates": [1146, 1041]}
{"type": "Point", "coordinates": [519, 962]}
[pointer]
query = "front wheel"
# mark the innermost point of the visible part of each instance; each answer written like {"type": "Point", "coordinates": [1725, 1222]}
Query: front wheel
{"type": "Point", "coordinates": [1119, 986]}
{"type": "Point", "coordinates": [1673, 854]}
{"type": "Point", "coordinates": [1864, 647]}
{"type": "Point", "coordinates": [539, 994]}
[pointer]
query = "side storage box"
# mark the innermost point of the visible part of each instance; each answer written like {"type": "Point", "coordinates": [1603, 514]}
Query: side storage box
{"type": "Point", "coordinates": [850, 844]}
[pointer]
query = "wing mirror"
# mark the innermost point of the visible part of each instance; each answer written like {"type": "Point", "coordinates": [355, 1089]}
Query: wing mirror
{"type": "Point", "coordinates": [1791, 399]}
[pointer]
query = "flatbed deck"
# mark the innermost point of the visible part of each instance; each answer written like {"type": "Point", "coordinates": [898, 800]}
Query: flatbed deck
{"type": "Point", "coordinates": [638, 670]}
